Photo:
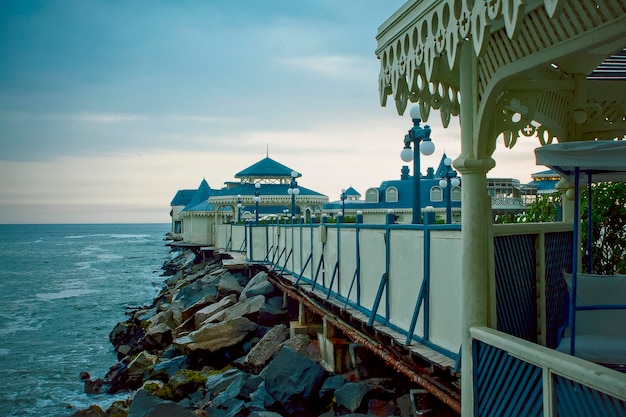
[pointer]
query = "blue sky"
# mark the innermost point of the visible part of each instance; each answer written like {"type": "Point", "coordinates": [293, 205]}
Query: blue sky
{"type": "Point", "coordinates": [107, 108]}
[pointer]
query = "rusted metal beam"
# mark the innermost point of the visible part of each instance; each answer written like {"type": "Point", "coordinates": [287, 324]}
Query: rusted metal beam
{"type": "Point", "coordinates": [442, 393]}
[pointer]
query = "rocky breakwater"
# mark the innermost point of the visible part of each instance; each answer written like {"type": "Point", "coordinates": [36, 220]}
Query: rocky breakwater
{"type": "Point", "coordinates": [218, 344]}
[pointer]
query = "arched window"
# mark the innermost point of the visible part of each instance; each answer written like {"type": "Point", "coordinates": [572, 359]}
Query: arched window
{"type": "Point", "coordinates": [455, 194]}
{"type": "Point", "coordinates": [436, 194]}
{"type": "Point", "coordinates": [371, 195]}
{"type": "Point", "coordinates": [391, 195]}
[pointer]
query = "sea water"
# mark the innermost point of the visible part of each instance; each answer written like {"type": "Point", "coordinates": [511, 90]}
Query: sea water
{"type": "Point", "coordinates": [62, 290]}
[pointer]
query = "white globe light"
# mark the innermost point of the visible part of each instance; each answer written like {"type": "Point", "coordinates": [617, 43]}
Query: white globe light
{"type": "Point", "coordinates": [238, 205]}
{"type": "Point", "coordinates": [257, 185]}
{"type": "Point", "coordinates": [455, 182]}
{"type": "Point", "coordinates": [427, 147]}
{"type": "Point", "coordinates": [256, 198]}
{"type": "Point", "coordinates": [443, 183]}
{"type": "Point", "coordinates": [447, 161]}
{"type": "Point", "coordinates": [239, 196]}
{"type": "Point", "coordinates": [406, 154]}
{"type": "Point", "coordinates": [296, 191]}
{"type": "Point", "coordinates": [289, 191]}
{"type": "Point", "coordinates": [415, 113]}
{"type": "Point", "coordinates": [294, 174]}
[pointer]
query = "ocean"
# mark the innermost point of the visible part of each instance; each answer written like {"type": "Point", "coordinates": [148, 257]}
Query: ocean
{"type": "Point", "coordinates": [62, 290]}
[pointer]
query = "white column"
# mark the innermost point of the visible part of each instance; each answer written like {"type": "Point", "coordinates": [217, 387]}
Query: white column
{"type": "Point", "coordinates": [567, 200]}
{"type": "Point", "coordinates": [476, 224]}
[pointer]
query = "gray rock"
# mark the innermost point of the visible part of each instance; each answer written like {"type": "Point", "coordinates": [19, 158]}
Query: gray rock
{"type": "Point", "coordinates": [214, 336]}
{"type": "Point", "coordinates": [195, 296]}
{"type": "Point", "coordinates": [228, 284]}
{"type": "Point", "coordinates": [244, 308]}
{"type": "Point", "coordinates": [352, 394]}
{"type": "Point", "coordinates": [294, 380]}
{"type": "Point", "coordinates": [330, 385]}
{"type": "Point", "coordinates": [217, 383]}
{"type": "Point", "coordinates": [167, 368]}
{"type": "Point", "coordinates": [145, 404]}
{"type": "Point", "coordinates": [260, 400]}
{"type": "Point", "coordinates": [212, 309]}
{"type": "Point", "coordinates": [231, 408]}
{"type": "Point", "coordinates": [265, 349]}
{"type": "Point", "coordinates": [159, 336]}
{"type": "Point", "coordinates": [258, 285]}
{"type": "Point", "coordinates": [138, 367]}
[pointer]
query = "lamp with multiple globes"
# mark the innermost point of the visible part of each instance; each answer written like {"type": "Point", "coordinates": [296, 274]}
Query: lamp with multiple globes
{"type": "Point", "coordinates": [420, 137]}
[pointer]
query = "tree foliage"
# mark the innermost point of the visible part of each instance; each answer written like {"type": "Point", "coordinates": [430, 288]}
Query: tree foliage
{"type": "Point", "coordinates": [608, 211]}
{"type": "Point", "coordinates": [608, 214]}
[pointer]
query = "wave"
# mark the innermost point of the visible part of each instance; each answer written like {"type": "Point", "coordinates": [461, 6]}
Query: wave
{"type": "Point", "coordinates": [48, 296]}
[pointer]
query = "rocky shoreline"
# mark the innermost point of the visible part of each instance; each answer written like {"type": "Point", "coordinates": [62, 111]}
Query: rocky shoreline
{"type": "Point", "coordinates": [219, 344]}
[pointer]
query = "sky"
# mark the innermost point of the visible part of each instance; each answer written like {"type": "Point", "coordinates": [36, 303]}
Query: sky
{"type": "Point", "coordinates": [107, 108]}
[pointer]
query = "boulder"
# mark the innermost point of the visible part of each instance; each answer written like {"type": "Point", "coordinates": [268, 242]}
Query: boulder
{"type": "Point", "coordinates": [214, 336]}
{"type": "Point", "coordinates": [158, 336]}
{"type": "Point", "coordinates": [145, 404]}
{"type": "Point", "coordinates": [351, 396]}
{"type": "Point", "coordinates": [258, 285]}
{"type": "Point", "coordinates": [210, 310]}
{"type": "Point", "coordinates": [129, 334]}
{"type": "Point", "coordinates": [294, 381]}
{"type": "Point", "coordinates": [217, 383]}
{"type": "Point", "coordinates": [354, 396]}
{"type": "Point", "coordinates": [92, 411]}
{"type": "Point", "coordinates": [261, 400]}
{"type": "Point", "coordinates": [300, 343]}
{"type": "Point", "coordinates": [249, 307]}
{"type": "Point", "coordinates": [139, 367]}
{"type": "Point", "coordinates": [193, 297]}
{"type": "Point", "coordinates": [265, 349]}
{"type": "Point", "coordinates": [273, 313]}
{"type": "Point", "coordinates": [186, 382]}
{"type": "Point", "coordinates": [228, 285]}
{"type": "Point", "coordinates": [164, 369]}
{"type": "Point", "coordinates": [231, 408]}
{"type": "Point", "coordinates": [330, 385]}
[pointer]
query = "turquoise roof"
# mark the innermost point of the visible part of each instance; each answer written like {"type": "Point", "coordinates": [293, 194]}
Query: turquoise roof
{"type": "Point", "coordinates": [351, 192]}
{"type": "Point", "coordinates": [267, 189]}
{"type": "Point", "coordinates": [200, 197]}
{"type": "Point", "coordinates": [182, 197]}
{"type": "Point", "coordinates": [265, 168]}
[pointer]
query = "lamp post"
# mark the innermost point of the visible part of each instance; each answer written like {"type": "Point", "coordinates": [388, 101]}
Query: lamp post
{"type": "Point", "coordinates": [420, 137]}
{"type": "Point", "coordinates": [449, 180]}
{"type": "Point", "coordinates": [256, 199]}
{"type": "Point", "coordinates": [293, 191]}
{"type": "Point", "coordinates": [238, 208]}
{"type": "Point", "coordinates": [343, 201]}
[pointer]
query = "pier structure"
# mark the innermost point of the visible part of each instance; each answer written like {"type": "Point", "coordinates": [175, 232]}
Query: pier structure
{"type": "Point", "coordinates": [396, 289]}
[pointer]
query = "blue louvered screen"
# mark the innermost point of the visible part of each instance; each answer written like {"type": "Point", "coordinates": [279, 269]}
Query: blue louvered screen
{"type": "Point", "coordinates": [516, 299]}
{"type": "Point", "coordinates": [572, 399]}
{"type": "Point", "coordinates": [558, 257]}
{"type": "Point", "coordinates": [505, 386]}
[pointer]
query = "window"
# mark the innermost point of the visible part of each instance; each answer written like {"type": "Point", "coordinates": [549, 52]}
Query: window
{"type": "Point", "coordinates": [371, 195]}
{"type": "Point", "coordinates": [455, 194]}
{"type": "Point", "coordinates": [436, 194]}
{"type": "Point", "coordinates": [391, 195]}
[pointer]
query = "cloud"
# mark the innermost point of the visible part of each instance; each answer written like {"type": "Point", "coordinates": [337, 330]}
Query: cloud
{"type": "Point", "coordinates": [336, 66]}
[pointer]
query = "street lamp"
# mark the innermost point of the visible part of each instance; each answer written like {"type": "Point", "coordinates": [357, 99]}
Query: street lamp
{"type": "Point", "coordinates": [238, 208]}
{"type": "Point", "coordinates": [449, 179]}
{"type": "Point", "coordinates": [257, 199]}
{"type": "Point", "coordinates": [420, 137]}
{"type": "Point", "coordinates": [343, 201]}
{"type": "Point", "coordinates": [293, 191]}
